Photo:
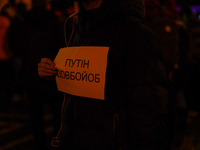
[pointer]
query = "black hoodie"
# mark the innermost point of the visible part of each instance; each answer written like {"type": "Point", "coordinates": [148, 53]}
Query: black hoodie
{"type": "Point", "coordinates": [132, 114]}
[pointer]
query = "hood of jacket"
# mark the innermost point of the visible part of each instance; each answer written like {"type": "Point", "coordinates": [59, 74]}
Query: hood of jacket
{"type": "Point", "coordinates": [110, 10]}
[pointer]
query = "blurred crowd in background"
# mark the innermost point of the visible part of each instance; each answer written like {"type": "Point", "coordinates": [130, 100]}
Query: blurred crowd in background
{"type": "Point", "coordinates": [33, 29]}
{"type": "Point", "coordinates": [23, 22]}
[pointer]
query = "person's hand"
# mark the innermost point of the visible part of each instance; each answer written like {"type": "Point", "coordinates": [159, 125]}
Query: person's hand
{"type": "Point", "coordinates": [3, 3]}
{"type": "Point", "coordinates": [46, 69]}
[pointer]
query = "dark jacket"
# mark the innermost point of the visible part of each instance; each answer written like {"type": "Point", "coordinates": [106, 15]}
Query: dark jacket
{"type": "Point", "coordinates": [133, 112]}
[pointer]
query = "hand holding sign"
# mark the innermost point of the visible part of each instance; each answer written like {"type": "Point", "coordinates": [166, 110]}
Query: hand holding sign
{"type": "Point", "coordinates": [46, 69]}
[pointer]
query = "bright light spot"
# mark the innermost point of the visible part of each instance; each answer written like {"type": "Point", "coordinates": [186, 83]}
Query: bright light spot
{"type": "Point", "coordinates": [168, 28]}
{"type": "Point", "coordinates": [199, 16]}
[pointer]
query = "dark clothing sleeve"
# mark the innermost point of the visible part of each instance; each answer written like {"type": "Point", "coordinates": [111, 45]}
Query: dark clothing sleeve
{"type": "Point", "coordinates": [146, 92]}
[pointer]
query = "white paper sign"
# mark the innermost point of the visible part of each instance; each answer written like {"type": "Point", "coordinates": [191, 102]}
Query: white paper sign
{"type": "Point", "coordinates": [82, 71]}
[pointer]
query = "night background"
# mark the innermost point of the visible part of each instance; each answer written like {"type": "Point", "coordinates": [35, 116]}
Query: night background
{"type": "Point", "coordinates": [15, 124]}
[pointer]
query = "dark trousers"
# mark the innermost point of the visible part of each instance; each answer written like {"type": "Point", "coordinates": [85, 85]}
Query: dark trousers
{"type": "Point", "coordinates": [37, 99]}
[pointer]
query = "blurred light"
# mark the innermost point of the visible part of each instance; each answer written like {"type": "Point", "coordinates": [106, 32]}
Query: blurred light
{"type": "Point", "coordinates": [178, 9]}
{"type": "Point", "coordinates": [199, 16]}
{"type": "Point", "coordinates": [195, 9]}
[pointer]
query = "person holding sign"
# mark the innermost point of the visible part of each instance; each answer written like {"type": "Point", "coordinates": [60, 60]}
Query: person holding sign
{"type": "Point", "coordinates": [112, 72]}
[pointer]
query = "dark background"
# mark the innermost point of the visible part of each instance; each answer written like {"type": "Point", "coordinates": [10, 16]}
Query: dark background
{"type": "Point", "coordinates": [190, 2]}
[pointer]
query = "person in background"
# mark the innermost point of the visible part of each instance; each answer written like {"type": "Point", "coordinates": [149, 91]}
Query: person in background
{"type": "Point", "coordinates": [133, 114]}
{"type": "Point", "coordinates": [192, 24]}
{"type": "Point", "coordinates": [3, 3]}
{"type": "Point", "coordinates": [6, 56]}
{"type": "Point", "coordinates": [37, 34]}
